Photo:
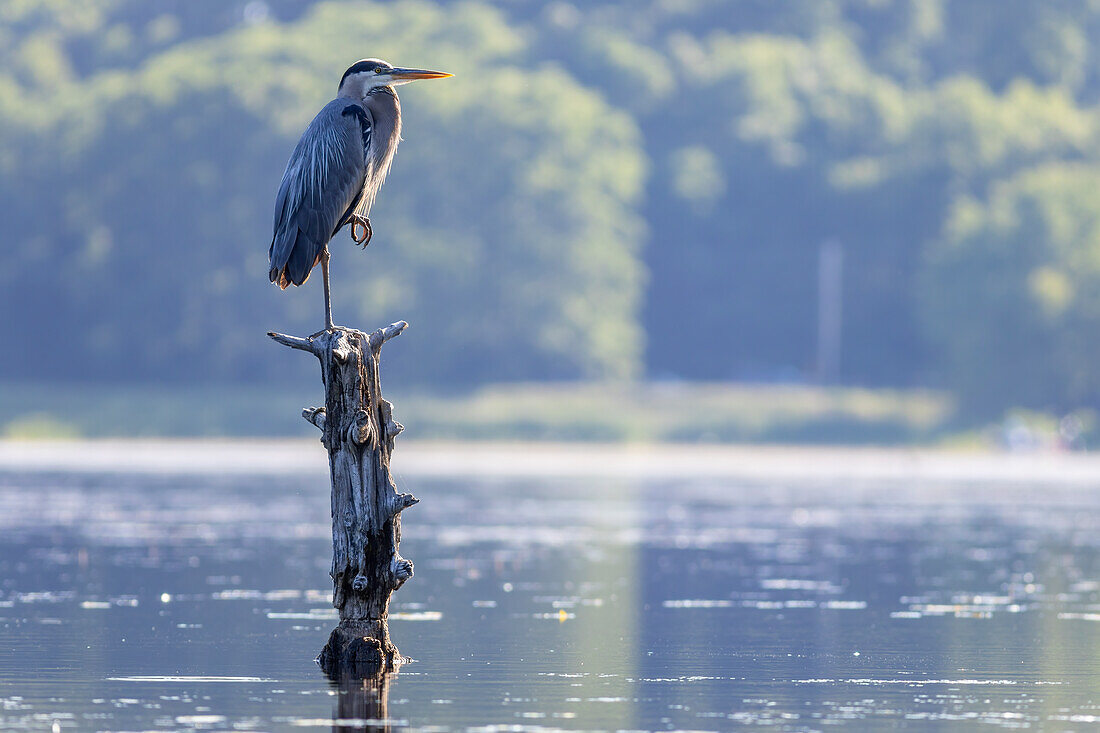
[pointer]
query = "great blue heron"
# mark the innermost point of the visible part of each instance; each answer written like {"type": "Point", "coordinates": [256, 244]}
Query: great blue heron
{"type": "Point", "coordinates": [336, 170]}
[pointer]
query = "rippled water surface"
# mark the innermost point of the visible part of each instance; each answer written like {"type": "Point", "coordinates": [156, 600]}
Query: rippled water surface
{"type": "Point", "coordinates": [140, 602]}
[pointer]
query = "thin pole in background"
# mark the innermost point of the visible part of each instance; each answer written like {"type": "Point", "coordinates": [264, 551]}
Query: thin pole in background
{"type": "Point", "coordinates": [829, 298]}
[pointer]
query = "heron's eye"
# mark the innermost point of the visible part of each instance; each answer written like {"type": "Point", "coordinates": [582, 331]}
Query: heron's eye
{"type": "Point", "coordinates": [377, 69]}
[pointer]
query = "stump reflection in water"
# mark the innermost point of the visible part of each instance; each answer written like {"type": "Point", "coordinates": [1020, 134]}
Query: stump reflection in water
{"type": "Point", "coordinates": [362, 703]}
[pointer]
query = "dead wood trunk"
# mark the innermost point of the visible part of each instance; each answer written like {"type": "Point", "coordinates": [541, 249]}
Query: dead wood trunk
{"type": "Point", "coordinates": [358, 430]}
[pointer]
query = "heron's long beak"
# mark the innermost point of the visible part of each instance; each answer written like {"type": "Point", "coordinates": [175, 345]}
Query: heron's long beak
{"type": "Point", "coordinates": [414, 74]}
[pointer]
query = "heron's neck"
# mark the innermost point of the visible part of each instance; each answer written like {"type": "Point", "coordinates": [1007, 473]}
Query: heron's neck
{"type": "Point", "coordinates": [385, 113]}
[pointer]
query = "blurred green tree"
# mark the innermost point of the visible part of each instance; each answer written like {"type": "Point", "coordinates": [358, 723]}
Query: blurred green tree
{"type": "Point", "coordinates": [508, 233]}
{"type": "Point", "coordinates": [141, 142]}
{"type": "Point", "coordinates": [1012, 292]}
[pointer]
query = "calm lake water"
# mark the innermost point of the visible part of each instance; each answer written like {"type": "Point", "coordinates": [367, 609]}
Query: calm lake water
{"type": "Point", "coordinates": [149, 602]}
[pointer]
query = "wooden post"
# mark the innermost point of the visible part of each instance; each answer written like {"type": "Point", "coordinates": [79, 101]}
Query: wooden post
{"type": "Point", "coordinates": [358, 430]}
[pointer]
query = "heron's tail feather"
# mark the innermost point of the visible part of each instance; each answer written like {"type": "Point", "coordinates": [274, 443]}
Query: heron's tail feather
{"type": "Point", "coordinates": [279, 252]}
{"type": "Point", "coordinates": [293, 256]}
{"type": "Point", "coordinates": [279, 278]}
{"type": "Point", "coordinates": [302, 259]}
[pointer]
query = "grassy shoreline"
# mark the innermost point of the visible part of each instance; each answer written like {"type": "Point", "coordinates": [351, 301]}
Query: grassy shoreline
{"type": "Point", "coordinates": [579, 412]}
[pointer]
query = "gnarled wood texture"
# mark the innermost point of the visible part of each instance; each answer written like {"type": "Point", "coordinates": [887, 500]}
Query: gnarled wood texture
{"type": "Point", "coordinates": [358, 430]}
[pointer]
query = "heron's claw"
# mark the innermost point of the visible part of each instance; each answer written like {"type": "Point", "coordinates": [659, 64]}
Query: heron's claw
{"type": "Point", "coordinates": [368, 232]}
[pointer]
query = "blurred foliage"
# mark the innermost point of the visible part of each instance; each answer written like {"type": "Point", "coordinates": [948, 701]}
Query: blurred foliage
{"type": "Point", "coordinates": [1013, 290]}
{"type": "Point", "coordinates": [950, 146]}
{"type": "Point", "coordinates": [868, 122]}
{"type": "Point", "coordinates": [509, 231]}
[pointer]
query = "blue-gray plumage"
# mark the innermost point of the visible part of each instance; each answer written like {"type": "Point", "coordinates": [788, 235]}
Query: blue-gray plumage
{"type": "Point", "coordinates": [336, 170]}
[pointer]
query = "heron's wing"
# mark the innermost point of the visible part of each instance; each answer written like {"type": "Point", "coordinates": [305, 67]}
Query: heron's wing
{"type": "Point", "coordinates": [323, 178]}
{"type": "Point", "coordinates": [361, 203]}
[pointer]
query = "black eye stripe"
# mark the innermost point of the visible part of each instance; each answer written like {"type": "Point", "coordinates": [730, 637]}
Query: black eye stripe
{"type": "Point", "coordinates": [361, 66]}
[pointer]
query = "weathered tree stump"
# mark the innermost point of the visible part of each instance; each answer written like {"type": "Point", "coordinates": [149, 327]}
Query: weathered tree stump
{"type": "Point", "coordinates": [358, 430]}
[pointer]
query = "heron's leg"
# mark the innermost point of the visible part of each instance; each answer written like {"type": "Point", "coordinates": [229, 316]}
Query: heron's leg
{"type": "Point", "coordinates": [328, 298]}
{"type": "Point", "coordinates": [368, 232]}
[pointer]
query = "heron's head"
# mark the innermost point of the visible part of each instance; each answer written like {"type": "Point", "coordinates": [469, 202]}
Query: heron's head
{"type": "Point", "coordinates": [363, 76]}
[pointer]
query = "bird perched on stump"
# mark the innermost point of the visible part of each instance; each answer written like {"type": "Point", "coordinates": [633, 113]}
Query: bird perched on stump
{"type": "Point", "coordinates": [336, 170]}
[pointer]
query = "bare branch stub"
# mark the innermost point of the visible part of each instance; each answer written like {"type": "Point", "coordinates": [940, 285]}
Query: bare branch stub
{"type": "Point", "coordinates": [294, 342]}
{"type": "Point", "coordinates": [358, 430]}
{"type": "Point", "coordinates": [315, 415]}
{"type": "Point", "coordinates": [383, 335]}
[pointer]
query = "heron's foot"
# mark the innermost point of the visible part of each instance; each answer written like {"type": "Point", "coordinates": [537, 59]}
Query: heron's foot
{"type": "Point", "coordinates": [367, 232]}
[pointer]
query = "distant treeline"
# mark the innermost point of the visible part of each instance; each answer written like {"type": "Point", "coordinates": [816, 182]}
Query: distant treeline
{"type": "Point", "coordinates": [608, 189]}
